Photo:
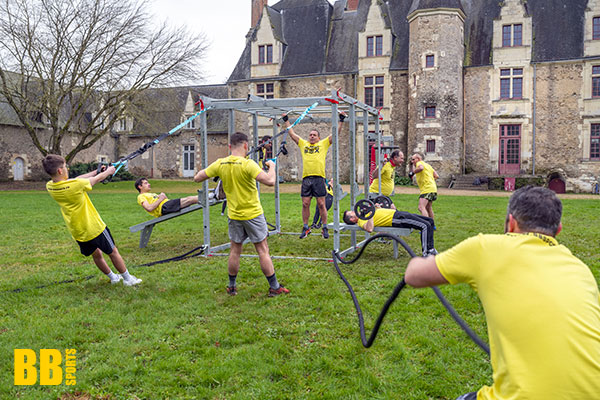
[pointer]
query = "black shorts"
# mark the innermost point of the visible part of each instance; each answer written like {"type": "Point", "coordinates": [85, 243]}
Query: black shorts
{"type": "Point", "coordinates": [313, 186]}
{"type": "Point", "coordinates": [103, 241]}
{"type": "Point", "coordinates": [171, 206]}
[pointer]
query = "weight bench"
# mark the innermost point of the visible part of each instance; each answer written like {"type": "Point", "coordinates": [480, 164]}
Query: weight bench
{"type": "Point", "coordinates": [378, 229]}
{"type": "Point", "coordinates": [147, 226]}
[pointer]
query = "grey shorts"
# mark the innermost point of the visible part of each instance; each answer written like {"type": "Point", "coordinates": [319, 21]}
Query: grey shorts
{"type": "Point", "coordinates": [255, 229]}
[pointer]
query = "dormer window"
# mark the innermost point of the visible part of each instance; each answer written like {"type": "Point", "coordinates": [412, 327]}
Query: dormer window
{"type": "Point", "coordinates": [265, 54]}
{"type": "Point", "coordinates": [374, 46]}
{"type": "Point", "coordinates": [596, 28]}
{"type": "Point", "coordinates": [512, 35]}
{"type": "Point", "coordinates": [191, 124]}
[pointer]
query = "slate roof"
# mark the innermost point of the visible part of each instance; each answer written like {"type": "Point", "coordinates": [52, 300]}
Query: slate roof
{"type": "Point", "coordinates": [323, 39]}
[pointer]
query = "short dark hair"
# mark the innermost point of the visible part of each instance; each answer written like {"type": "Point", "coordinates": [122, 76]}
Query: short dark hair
{"type": "Point", "coordinates": [536, 209]}
{"type": "Point", "coordinates": [52, 162]}
{"type": "Point", "coordinates": [395, 153]}
{"type": "Point", "coordinates": [265, 139]}
{"type": "Point", "coordinates": [318, 133]}
{"type": "Point", "coordinates": [238, 138]}
{"type": "Point", "coordinates": [346, 218]}
{"type": "Point", "coordinates": [138, 183]}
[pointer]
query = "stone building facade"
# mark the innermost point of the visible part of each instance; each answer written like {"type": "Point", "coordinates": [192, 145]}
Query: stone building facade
{"type": "Point", "coordinates": [506, 89]}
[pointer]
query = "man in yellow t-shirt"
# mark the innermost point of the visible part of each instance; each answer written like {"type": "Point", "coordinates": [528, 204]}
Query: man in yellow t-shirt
{"type": "Point", "coordinates": [541, 303]}
{"type": "Point", "coordinates": [387, 174]}
{"type": "Point", "coordinates": [246, 219]}
{"type": "Point", "coordinates": [397, 219]}
{"type": "Point", "coordinates": [426, 177]}
{"type": "Point", "coordinates": [314, 154]}
{"type": "Point", "coordinates": [83, 221]}
{"type": "Point", "coordinates": [158, 204]}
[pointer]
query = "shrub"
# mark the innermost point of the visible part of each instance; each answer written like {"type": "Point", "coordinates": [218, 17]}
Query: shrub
{"type": "Point", "coordinates": [402, 180]}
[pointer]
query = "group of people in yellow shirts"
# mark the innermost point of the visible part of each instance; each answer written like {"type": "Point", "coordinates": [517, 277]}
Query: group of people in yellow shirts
{"type": "Point", "coordinates": [541, 302]}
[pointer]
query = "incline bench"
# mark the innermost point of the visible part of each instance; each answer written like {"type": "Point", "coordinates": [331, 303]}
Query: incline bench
{"type": "Point", "coordinates": [378, 229]}
{"type": "Point", "coordinates": [147, 226]}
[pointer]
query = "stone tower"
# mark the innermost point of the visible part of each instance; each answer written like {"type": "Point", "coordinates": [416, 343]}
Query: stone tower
{"type": "Point", "coordinates": [435, 67]}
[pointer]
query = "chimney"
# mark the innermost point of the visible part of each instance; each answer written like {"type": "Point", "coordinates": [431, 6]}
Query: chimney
{"type": "Point", "coordinates": [352, 5]}
{"type": "Point", "coordinates": [257, 9]}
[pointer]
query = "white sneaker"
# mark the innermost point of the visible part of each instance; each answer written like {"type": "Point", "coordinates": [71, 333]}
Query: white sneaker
{"type": "Point", "coordinates": [132, 281]}
{"type": "Point", "coordinates": [116, 280]}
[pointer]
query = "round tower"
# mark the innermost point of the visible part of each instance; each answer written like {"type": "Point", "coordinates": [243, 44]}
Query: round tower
{"type": "Point", "coordinates": [435, 73]}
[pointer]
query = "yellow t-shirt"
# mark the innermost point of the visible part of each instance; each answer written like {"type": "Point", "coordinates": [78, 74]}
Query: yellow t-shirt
{"type": "Point", "coordinates": [82, 219]}
{"type": "Point", "coordinates": [382, 217]}
{"type": "Point", "coordinates": [387, 180]}
{"type": "Point", "coordinates": [542, 310]}
{"type": "Point", "coordinates": [313, 157]}
{"type": "Point", "coordinates": [151, 198]}
{"type": "Point", "coordinates": [425, 178]}
{"type": "Point", "coordinates": [238, 175]}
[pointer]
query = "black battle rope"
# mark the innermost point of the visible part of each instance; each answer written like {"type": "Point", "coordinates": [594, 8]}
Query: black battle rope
{"type": "Point", "coordinates": [198, 251]}
{"type": "Point", "coordinates": [367, 343]}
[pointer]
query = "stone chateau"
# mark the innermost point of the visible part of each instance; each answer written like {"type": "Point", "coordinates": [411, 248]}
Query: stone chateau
{"type": "Point", "coordinates": [486, 87]}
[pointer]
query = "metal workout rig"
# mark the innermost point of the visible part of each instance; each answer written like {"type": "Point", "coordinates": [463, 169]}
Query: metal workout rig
{"type": "Point", "coordinates": [326, 111]}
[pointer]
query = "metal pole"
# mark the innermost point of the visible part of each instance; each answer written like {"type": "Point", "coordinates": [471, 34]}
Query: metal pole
{"type": "Point", "coordinates": [205, 206]}
{"type": "Point", "coordinates": [378, 159]}
{"type": "Point", "coordinates": [367, 155]}
{"type": "Point", "coordinates": [353, 184]}
{"type": "Point", "coordinates": [274, 148]}
{"type": "Point", "coordinates": [254, 155]}
{"type": "Point", "coordinates": [336, 175]}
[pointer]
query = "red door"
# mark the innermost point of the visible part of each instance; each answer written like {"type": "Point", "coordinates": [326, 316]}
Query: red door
{"type": "Point", "coordinates": [510, 150]}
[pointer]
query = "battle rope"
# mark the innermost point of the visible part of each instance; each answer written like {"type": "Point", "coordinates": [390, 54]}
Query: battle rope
{"type": "Point", "coordinates": [368, 342]}
{"type": "Point", "coordinates": [192, 253]}
{"type": "Point", "coordinates": [123, 161]}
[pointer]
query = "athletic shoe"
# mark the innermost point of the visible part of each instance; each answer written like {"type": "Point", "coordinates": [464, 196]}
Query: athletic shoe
{"type": "Point", "coordinates": [277, 292]}
{"type": "Point", "coordinates": [305, 233]}
{"type": "Point", "coordinates": [325, 233]}
{"type": "Point", "coordinates": [116, 280]}
{"type": "Point", "coordinates": [231, 290]}
{"type": "Point", "coordinates": [132, 281]}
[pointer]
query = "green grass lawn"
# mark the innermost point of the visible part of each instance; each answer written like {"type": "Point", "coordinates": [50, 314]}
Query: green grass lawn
{"type": "Point", "coordinates": [179, 336]}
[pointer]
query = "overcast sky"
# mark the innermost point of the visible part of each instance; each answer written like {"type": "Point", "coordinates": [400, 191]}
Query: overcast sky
{"type": "Point", "coordinates": [224, 22]}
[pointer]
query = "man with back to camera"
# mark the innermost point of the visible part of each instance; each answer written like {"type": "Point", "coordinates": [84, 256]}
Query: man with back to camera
{"type": "Point", "coordinates": [426, 176]}
{"type": "Point", "coordinates": [246, 218]}
{"type": "Point", "coordinates": [541, 303]}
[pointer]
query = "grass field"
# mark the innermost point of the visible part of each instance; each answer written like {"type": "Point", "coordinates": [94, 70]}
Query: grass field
{"type": "Point", "coordinates": [179, 336]}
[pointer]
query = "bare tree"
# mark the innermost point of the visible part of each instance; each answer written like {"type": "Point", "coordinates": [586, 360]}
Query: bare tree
{"type": "Point", "coordinates": [74, 66]}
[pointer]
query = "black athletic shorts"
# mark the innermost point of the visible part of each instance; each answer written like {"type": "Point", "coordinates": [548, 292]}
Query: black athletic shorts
{"type": "Point", "coordinates": [313, 186]}
{"type": "Point", "coordinates": [171, 206]}
{"type": "Point", "coordinates": [103, 241]}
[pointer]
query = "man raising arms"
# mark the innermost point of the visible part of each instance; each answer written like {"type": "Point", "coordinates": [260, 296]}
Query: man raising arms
{"type": "Point", "coordinates": [314, 153]}
{"type": "Point", "coordinates": [246, 219]}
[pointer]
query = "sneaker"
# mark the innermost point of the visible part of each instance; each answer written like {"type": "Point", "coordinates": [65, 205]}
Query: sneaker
{"type": "Point", "coordinates": [116, 280]}
{"type": "Point", "coordinates": [325, 233]}
{"type": "Point", "coordinates": [231, 290]}
{"type": "Point", "coordinates": [277, 292]}
{"type": "Point", "coordinates": [305, 233]}
{"type": "Point", "coordinates": [132, 281]}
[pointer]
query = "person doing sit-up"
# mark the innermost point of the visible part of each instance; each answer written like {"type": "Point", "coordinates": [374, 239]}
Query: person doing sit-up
{"type": "Point", "coordinates": [159, 204]}
{"type": "Point", "coordinates": [397, 219]}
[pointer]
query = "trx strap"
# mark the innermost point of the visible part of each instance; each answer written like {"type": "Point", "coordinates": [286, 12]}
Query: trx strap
{"type": "Point", "coordinates": [123, 161]}
{"type": "Point", "coordinates": [368, 342]}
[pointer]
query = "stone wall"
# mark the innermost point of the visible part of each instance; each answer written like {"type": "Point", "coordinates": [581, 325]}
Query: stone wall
{"type": "Point", "coordinates": [478, 121]}
{"type": "Point", "coordinates": [16, 143]}
{"type": "Point", "coordinates": [399, 115]}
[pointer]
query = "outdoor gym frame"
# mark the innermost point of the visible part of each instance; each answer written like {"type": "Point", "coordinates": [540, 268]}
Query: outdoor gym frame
{"type": "Point", "coordinates": [326, 111]}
